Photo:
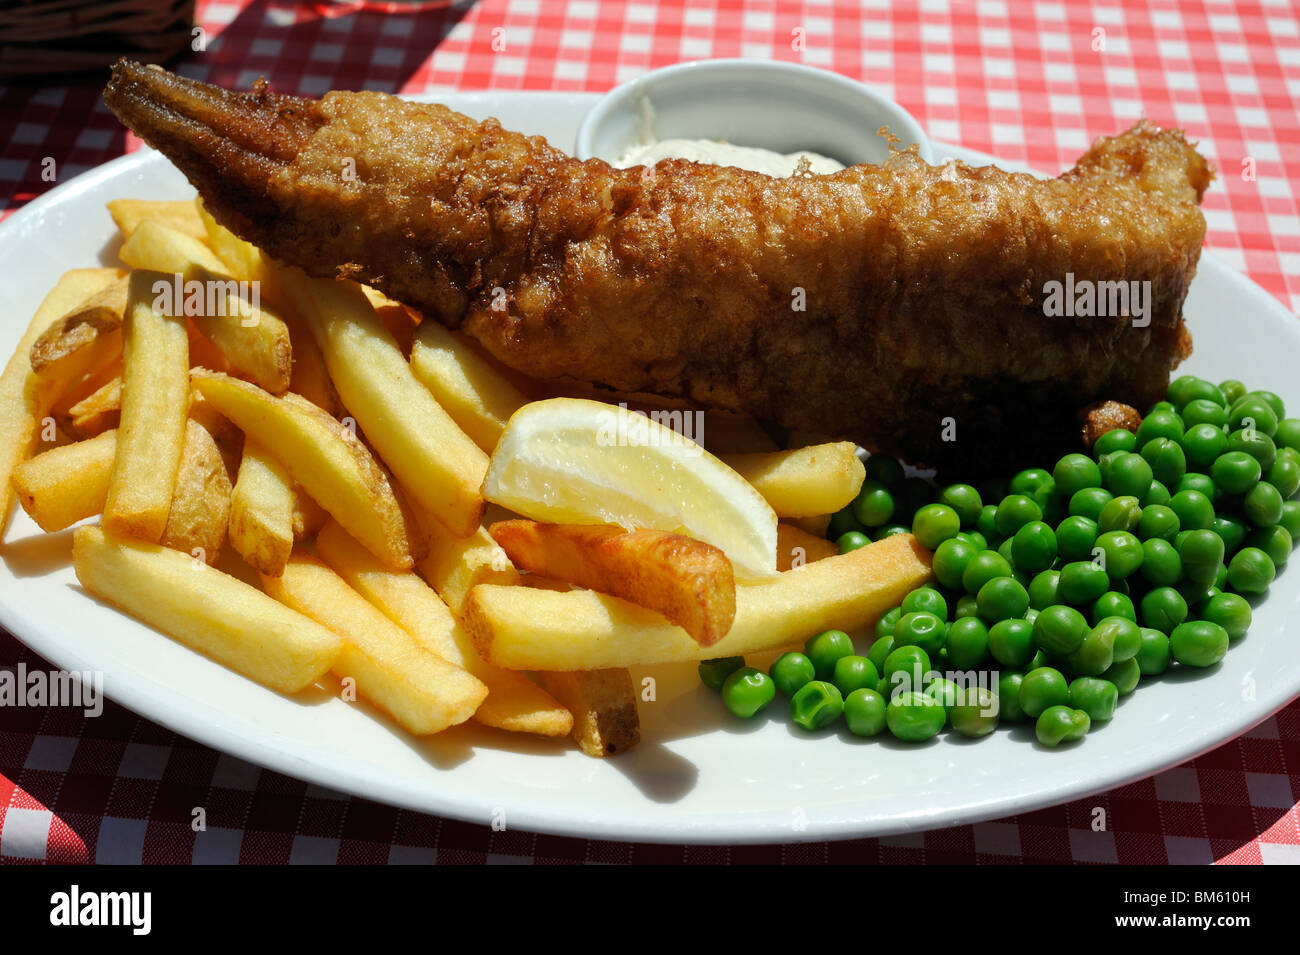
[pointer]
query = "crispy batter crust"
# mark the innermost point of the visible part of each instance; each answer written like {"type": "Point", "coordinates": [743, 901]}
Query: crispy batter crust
{"type": "Point", "coordinates": [873, 304]}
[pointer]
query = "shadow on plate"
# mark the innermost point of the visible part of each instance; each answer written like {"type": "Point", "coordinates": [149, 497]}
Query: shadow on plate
{"type": "Point", "coordinates": [39, 554]}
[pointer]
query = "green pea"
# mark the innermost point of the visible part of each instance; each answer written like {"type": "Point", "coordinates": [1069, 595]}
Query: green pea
{"type": "Point", "coordinates": [965, 500]}
{"type": "Point", "coordinates": [968, 643]}
{"type": "Point", "coordinates": [1112, 604]}
{"type": "Point", "coordinates": [1291, 518]}
{"type": "Point", "coordinates": [1287, 434]}
{"type": "Point", "coordinates": [1202, 444]}
{"type": "Point", "coordinates": [1033, 548]}
{"type": "Point", "coordinates": [1161, 565]}
{"type": "Point", "coordinates": [1120, 514]}
{"type": "Point", "coordinates": [1273, 400]}
{"type": "Point", "coordinates": [915, 717]}
{"type": "Point", "coordinates": [843, 521]}
{"type": "Point", "coordinates": [1117, 439]}
{"type": "Point", "coordinates": [1074, 472]}
{"type": "Point", "coordinates": [1001, 599]}
{"type": "Point", "coordinates": [880, 651]}
{"type": "Point", "coordinates": [1251, 571]}
{"type": "Point", "coordinates": [905, 668]}
{"type": "Point", "coordinates": [816, 705]}
{"type": "Point", "coordinates": [1231, 530]}
{"type": "Point", "coordinates": [748, 691]}
{"type": "Point", "coordinates": [1262, 505]}
{"type": "Point", "coordinates": [934, 524]}
{"type": "Point", "coordinates": [975, 539]}
{"type": "Point", "coordinates": [1009, 696]}
{"type": "Point", "coordinates": [864, 712]}
{"type": "Point", "coordinates": [1075, 537]}
{"type": "Point", "coordinates": [886, 622]}
{"type": "Point", "coordinates": [967, 606]}
{"type": "Point", "coordinates": [921, 629]}
{"type": "Point", "coordinates": [1198, 643]}
{"type": "Point", "coordinates": [1162, 608]}
{"type": "Point", "coordinates": [975, 712]}
{"type": "Point", "coordinates": [1276, 541]}
{"type": "Point", "coordinates": [1042, 688]}
{"type": "Point", "coordinates": [1013, 512]}
{"type": "Point", "coordinates": [925, 598]}
{"type": "Point", "coordinates": [1201, 552]}
{"type": "Point", "coordinates": [1229, 611]}
{"type": "Point", "coordinates": [1129, 475]}
{"type": "Point", "coordinates": [1043, 589]}
{"type": "Point", "coordinates": [1176, 388]}
{"type": "Point", "coordinates": [883, 468]}
{"type": "Point", "coordinates": [874, 504]}
{"type": "Point", "coordinates": [983, 567]}
{"type": "Point", "coordinates": [713, 673]}
{"type": "Point", "coordinates": [1126, 636]}
{"type": "Point", "coordinates": [1193, 509]}
{"type": "Point", "coordinates": [1153, 653]}
{"type": "Point", "coordinates": [1202, 411]}
{"type": "Point", "coordinates": [1159, 424]}
{"type": "Point", "coordinates": [1252, 411]}
{"type": "Point", "coordinates": [943, 691]}
{"type": "Point", "coordinates": [1096, 653]}
{"type": "Point", "coordinates": [1096, 697]}
{"type": "Point", "coordinates": [1235, 472]}
{"type": "Point", "coordinates": [827, 647]}
{"type": "Point", "coordinates": [987, 523]}
{"type": "Point", "coordinates": [1125, 674]}
{"type": "Point", "coordinates": [1082, 582]}
{"type": "Point", "coordinates": [1011, 642]}
{"type": "Point", "coordinates": [889, 530]}
{"type": "Point", "coordinates": [1089, 502]}
{"type": "Point", "coordinates": [1255, 443]}
{"type": "Point", "coordinates": [852, 540]}
{"type": "Point", "coordinates": [1122, 552]}
{"type": "Point", "coordinates": [792, 670]}
{"type": "Point", "coordinates": [1156, 494]}
{"type": "Point", "coordinates": [1232, 390]}
{"type": "Point", "coordinates": [1058, 724]}
{"type": "Point", "coordinates": [1202, 483]}
{"type": "Point", "coordinates": [1284, 474]}
{"type": "Point", "coordinates": [1166, 461]}
{"type": "Point", "coordinates": [1059, 630]}
{"type": "Point", "coordinates": [1004, 551]}
{"type": "Point", "coordinates": [1028, 481]}
{"type": "Point", "coordinates": [853, 673]}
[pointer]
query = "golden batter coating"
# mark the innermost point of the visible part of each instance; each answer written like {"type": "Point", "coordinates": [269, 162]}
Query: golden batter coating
{"type": "Point", "coordinates": [899, 305]}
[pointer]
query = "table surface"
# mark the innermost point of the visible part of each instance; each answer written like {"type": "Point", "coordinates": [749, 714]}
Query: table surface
{"type": "Point", "coordinates": [1029, 82]}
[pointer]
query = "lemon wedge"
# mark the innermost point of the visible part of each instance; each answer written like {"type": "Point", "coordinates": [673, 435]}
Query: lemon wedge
{"type": "Point", "coordinates": [575, 461]}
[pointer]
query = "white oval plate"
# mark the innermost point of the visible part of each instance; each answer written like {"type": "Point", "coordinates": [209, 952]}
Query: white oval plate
{"type": "Point", "coordinates": [698, 775]}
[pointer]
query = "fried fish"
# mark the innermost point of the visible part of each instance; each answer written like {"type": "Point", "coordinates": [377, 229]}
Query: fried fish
{"type": "Point", "coordinates": [913, 308]}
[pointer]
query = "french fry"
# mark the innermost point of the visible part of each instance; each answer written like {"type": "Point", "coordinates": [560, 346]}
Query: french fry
{"type": "Point", "coordinates": [322, 456]}
{"type": "Point", "coordinates": [689, 582]}
{"type": "Point", "coordinates": [86, 340]}
{"type": "Point", "coordinates": [209, 611]}
{"type": "Point", "coordinates": [478, 397]}
{"type": "Point", "coordinates": [308, 516]}
{"type": "Point", "coordinates": [66, 484]}
{"type": "Point", "coordinates": [456, 565]}
{"type": "Point", "coordinates": [182, 216]}
{"type": "Point", "coordinates": [419, 689]}
{"type": "Point", "coordinates": [24, 401]}
{"type": "Point", "coordinates": [525, 629]}
{"type": "Point", "coordinates": [398, 320]}
{"type": "Point", "coordinates": [795, 547]}
{"type": "Point", "coordinates": [806, 482]}
{"type": "Point", "coordinates": [61, 409]}
{"type": "Point", "coordinates": [241, 259]}
{"type": "Point", "coordinates": [261, 512]}
{"type": "Point", "coordinates": [253, 339]}
{"type": "Point", "coordinates": [97, 412]}
{"type": "Point", "coordinates": [309, 377]}
{"type": "Point", "coordinates": [196, 523]}
{"type": "Point", "coordinates": [816, 526]}
{"type": "Point", "coordinates": [437, 464]}
{"type": "Point", "coordinates": [513, 703]}
{"type": "Point", "coordinates": [603, 704]}
{"type": "Point", "coordinates": [155, 407]}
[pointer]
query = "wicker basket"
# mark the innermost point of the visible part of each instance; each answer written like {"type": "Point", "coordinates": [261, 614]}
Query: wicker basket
{"type": "Point", "coordinates": [39, 37]}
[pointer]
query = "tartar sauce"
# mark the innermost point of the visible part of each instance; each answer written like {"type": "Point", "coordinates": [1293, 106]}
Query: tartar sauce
{"type": "Point", "coordinates": [726, 154]}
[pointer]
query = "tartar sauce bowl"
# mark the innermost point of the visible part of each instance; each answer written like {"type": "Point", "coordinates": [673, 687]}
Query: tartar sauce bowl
{"type": "Point", "coordinates": [783, 107]}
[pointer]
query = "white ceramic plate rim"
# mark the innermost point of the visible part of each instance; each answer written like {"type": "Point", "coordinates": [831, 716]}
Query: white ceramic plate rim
{"type": "Point", "coordinates": [152, 697]}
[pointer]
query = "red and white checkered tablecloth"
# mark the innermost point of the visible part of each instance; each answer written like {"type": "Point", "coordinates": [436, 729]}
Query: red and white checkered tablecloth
{"type": "Point", "coordinates": [1028, 81]}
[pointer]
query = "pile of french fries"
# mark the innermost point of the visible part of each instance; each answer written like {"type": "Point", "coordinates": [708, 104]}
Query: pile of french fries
{"type": "Point", "coordinates": [338, 444]}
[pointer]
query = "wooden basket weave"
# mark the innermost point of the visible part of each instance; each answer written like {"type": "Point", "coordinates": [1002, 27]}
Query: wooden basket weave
{"type": "Point", "coordinates": [39, 37]}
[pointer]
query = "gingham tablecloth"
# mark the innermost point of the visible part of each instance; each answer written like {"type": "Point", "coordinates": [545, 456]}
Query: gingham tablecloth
{"type": "Point", "coordinates": [1032, 82]}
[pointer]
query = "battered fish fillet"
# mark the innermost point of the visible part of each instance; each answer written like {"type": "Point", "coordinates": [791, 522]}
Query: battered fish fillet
{"type": "Point", "coordinates": [872, 304]}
